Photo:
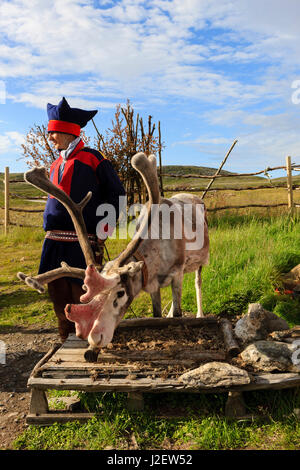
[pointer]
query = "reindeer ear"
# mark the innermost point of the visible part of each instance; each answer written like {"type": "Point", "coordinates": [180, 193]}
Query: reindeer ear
{"type": "Point", "coordinates": [135, 267]}
{"type": "Point", "coordinates": [130, 269]}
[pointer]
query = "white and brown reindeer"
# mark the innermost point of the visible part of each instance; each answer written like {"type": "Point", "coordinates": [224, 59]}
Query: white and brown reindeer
{"type": "Point", "coordinates": [148, 262]}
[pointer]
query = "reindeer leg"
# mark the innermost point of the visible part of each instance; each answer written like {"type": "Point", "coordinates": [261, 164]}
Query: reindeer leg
{"type": "Point", "coordinates": [198, 283]}
{"type": "Point", "coordinates": [175, 310]}
{"type": "Point", "coordinates": [156, 303]}
{"type": "Point", "coordinates": [170, 313]}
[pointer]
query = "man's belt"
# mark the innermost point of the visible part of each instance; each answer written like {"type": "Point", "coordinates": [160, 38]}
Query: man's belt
{"type": "Point", "coordinates": [68, 236]}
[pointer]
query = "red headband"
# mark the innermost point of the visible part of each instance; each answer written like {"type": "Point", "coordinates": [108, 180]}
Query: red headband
{"type": "Point", "coordinates": [64, 126]}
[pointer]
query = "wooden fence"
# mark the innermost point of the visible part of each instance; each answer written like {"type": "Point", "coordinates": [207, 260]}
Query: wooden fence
{"type": "Point", "coordinates": [8, 195]}
{"type": "Point", "coordinates": [289, 167]}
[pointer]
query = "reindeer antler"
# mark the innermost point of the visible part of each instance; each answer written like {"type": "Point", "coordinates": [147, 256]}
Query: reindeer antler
{"type": "Point", "coordinates": [146, 166]}
{"type": "Point", "coordinates": [36, 282]}
{"type": "Point", "coordinates": [38, 178]}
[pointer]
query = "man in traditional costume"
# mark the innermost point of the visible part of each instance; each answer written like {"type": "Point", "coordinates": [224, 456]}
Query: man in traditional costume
{"type": "Point", "coordinates": [77, 171]}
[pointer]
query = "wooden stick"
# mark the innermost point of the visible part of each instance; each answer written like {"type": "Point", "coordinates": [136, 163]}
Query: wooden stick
{"type": "Point", "coordinates": [26, 210]}
{"type": "Point", "coordinates": [28, 198]}
{"type": "Point", "coordinates": [219, 169]}
{"type": "Point", "coordinates": [231, 344]}
{"type": "Point", "coordinates": [17, 181]}
{"type": "Point", "coordinates": [243, 207]}
{"type": "Point", "coordinates": [228, 188]}
{"type": "Point", "coordinates": [160, 165]}
{"type": "Point", "coordinates": [6, 200]}
{"type": "Point", "coordinates": [289, 185]}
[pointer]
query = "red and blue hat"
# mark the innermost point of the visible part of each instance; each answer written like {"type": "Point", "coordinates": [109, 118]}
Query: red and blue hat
{"type": "Point", "coordinates": [63, 118]}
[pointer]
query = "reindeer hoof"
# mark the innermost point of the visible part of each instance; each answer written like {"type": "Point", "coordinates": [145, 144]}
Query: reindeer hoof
{"type": "Point", "coordinates": [91, 355]}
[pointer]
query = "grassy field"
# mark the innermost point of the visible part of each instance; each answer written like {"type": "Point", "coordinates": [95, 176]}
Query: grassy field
{"type": "Point", "coordinates": [249, 250]}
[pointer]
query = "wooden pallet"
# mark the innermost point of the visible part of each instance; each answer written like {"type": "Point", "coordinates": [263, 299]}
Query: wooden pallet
{"type": "Point", "coordinates": [65, 368]}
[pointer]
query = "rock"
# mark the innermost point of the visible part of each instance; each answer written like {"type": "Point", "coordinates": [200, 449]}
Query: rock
{"type": "Point", "coordinates": [70, 403]}
{"type": "Point", "coordinates": [216, 374]}
{"type": "Point", "coordinates": [291, 279]}
{"type": "Point", "coordinates": [257, 324]}
{"type": "Point", "coordinates": [269, 356]}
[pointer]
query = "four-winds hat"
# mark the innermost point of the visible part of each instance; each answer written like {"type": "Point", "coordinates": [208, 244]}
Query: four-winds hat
{"type": "Point", "coordinates": [63, 118]}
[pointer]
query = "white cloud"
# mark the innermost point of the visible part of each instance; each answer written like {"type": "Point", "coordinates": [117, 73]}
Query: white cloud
{"type": "Point", "coordinates": [264, 138]}
{"type": "Point", "coordinates": [11, 141]}
{"type": "Point", "coordinates": [149, 47]}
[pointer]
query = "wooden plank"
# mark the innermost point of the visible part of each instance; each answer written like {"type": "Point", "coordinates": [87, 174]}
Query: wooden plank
{"type": "Point", "coordinates": [57, 417]}
{"type": "Point", "coordinates": [44, 359]}
{"type": "Point", "coordinates": [70, 365]}
{"type": "Point", "coordinates": [261, 381]}
{"type": "Point", "coordinates": [165, 322]}
{"type": "Point", "coordinates": [274, 381]}
{"type": "Point", "coordinates": [38, 402]}
{"type": "Point", "coordinates": [135, 401]}
{"type": "Point", "coordinates": [161, 356]}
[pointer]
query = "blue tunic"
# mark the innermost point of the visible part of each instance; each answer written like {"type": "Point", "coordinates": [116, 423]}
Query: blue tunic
{"type": "Point", "coordinates": [85, 170]}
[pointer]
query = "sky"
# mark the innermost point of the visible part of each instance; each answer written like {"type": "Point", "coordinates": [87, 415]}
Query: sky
{"type": "Point", "coordinates": [211, 71]}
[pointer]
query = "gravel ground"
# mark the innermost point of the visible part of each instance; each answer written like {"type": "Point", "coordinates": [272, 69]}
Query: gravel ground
{"type": "Point", "coordinates": [24, 347]}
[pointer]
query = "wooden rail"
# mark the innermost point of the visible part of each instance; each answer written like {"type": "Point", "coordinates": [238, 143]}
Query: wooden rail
{"type": "Point", "coordinates": [289, 167]}
{"type": "Point", "coordinates": [8, 195]}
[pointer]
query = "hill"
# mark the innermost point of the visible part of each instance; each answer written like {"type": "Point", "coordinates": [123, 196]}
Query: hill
{"type": "Point", "coordinates": [191, 170]}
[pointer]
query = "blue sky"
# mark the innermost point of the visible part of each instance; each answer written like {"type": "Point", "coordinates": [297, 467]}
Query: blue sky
{"type": "Point", "coordinates": [211, 71]}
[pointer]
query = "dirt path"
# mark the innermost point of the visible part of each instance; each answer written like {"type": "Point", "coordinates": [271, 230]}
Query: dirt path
{"type": "Point", "coordinates": [24, 347]}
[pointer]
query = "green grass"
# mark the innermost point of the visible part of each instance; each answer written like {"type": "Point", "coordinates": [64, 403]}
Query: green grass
{"type": "Point", "coordinates": [248, 253]}
{"type": "Point", "coordinates": [201, 426]}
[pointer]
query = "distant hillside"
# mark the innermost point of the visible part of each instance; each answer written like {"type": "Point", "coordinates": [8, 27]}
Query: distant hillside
{"type": "Point", "coordinates": [191, 170]}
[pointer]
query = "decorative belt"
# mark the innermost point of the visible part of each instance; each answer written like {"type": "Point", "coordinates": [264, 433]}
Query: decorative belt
{"type": "Point", "coordinates": [68, 236]}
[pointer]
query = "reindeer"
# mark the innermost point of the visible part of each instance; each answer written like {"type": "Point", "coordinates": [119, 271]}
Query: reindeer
{"type": "Point", "coordinates": [147, 263]}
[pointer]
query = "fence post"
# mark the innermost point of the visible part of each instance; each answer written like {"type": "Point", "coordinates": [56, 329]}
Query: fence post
{"type": "Point", "coordinates": [160, 165]}
{"type": "Point", "coordinates": [289, 185]}
{"type": "Point", "coordinates": [6, 200]}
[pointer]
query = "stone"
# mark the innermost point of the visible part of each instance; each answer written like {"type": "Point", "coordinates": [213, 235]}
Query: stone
{"type": "Point", "coordinates": [70, 403]}
{"type": "Point", "coordinates": [257, 324]}
{"type": "Point", "coordinates": [216, 374]}
{"type": "Point", "coordinates": [291, 280]}
{"type": "Point", "coordinates": [269, 356]}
